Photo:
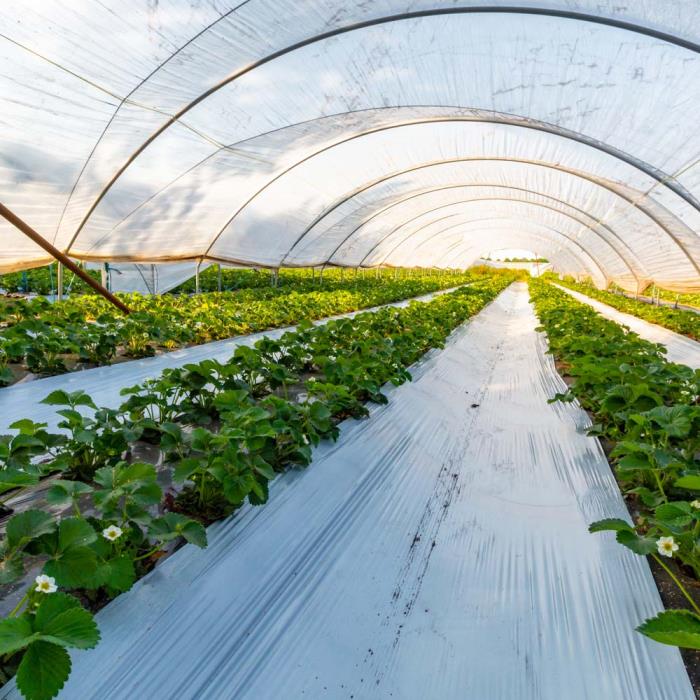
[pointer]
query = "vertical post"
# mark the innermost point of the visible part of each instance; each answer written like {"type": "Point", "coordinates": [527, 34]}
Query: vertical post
{"type": "Point", "coordinates": [59, 282]}
{"type": "Point", "coordinates": [103, 275]}
{"type": "Point", "coordinates": [197, 284]}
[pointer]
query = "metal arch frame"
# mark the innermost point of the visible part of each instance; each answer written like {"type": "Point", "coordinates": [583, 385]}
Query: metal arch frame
{"type": "Point", "coordinates": [484, 184]}
{"type": "Point", "coordinates": [584, 253]}
{"type": "Point", "coordinates": [503, 118]}
{"type": "Point", "coordinates": [435, 12]}
{"type": "Point", "coordinates": [517, 201]}
{"type": "Point", "coordinates": [541, 127]}
{"type": "Point", "coordinates": [551, 166]}
{"type": "Point", "coordinates": [460, 245]}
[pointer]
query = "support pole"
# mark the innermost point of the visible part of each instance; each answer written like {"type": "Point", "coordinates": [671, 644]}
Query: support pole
{"type": "Point", "coordinates": [59, 282]}
{"type": "Point", "coordinates": [197, 284]}
{"type": "Point", "coordinates": [28, 231]}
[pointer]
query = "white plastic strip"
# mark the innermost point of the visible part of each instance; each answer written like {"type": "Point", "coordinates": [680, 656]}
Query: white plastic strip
{"type": "Point", "coordinates": [680, 348]}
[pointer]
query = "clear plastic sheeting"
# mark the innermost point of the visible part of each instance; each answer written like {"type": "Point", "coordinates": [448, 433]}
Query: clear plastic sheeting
{"type": "Point", "coordinates": [148, 279]}
{"type": "Point", "coordinates": [438, 550]}
{"type": "Point", "coordinates": [271, 132]}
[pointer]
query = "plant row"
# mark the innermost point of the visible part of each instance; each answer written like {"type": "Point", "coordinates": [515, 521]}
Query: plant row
{"type": "Point", "coordinates": [51, 338]}
{"type": "Point", "coordinates": [223, 431]}
{"type": "Point", "coordinates": [677, 320]}
{"type": "Point", "coordinates": [688, 298]}
{"type": "Point", "coordinates": [645, 409]}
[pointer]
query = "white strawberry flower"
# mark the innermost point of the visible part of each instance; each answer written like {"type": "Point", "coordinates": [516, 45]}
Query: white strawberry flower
{"type": "Point", "coordinates": [45, 584]}
{"type": "Point", "coordinates": [695, 504]}
{"type": "Point", "coordinates": [666, 546]}
{"type": "Point", "coordinates": [112, 533]}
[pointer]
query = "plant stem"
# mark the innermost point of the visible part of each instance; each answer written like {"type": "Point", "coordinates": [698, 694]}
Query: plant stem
{"type": "Point", "coordinates": [148, 554]}
{"type": "Point", "coordinates": [660, 485]}
{"type": "Point", "coordinates": [678, 583]}
{"type": "Point", "coordinates": [22, 600]}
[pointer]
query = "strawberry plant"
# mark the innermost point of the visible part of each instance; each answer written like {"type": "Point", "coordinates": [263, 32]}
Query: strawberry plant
{"type": "Point", "coordinates": [648, 409]}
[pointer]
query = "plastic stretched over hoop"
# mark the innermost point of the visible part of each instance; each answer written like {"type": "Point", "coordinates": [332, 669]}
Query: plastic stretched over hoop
{"type": "Point", "coordinates": [274, 132]}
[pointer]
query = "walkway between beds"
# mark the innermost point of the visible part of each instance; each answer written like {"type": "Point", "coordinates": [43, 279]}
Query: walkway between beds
{"type": "Point", "coordinates": [680, 348]}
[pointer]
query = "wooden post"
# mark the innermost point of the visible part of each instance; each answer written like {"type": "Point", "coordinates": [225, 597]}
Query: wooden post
{"type": "Point", "coordinates": [59, 282]}
{"type": "Point", "coordinates": [28, 231]}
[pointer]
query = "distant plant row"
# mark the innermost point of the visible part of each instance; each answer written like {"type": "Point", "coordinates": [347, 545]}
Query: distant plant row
{"type": "Point", "coordinates": [47, 338]}
{"type": "Point", "coordinates": [677, 320]}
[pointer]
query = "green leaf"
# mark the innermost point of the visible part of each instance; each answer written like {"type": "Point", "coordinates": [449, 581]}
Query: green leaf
{"type": "Point", "coordinates": [74, 568]}
{"type": "Point", "coordinates": [24, 527]}
{"type": "Point", "coordinates": [43, 671]}
{"type": "Point", "coordinates": [118, 573]}
{"type": "Point", "coordinates": [62, 491]}
{"type": "Point", "coordinates": [185, 468]}
{"type": "Point", "coordinates": [690, 482]}
{"type": "Point", "coordinates": [635, 461]}
{"type": "Point", "coordinates": [195, 533]}
{"type": "Point", "coordinates": [73, 628]}
{"type": "Point", "coordinates": [57, 398]}
{"type": "Point", "coordinates": [173, 525]}
{"type": "Point", "coordinates": [679, 628]}
{"type": "Point", "coordinates": [53, 604]}
{"type": "Point", "coordinates": [15, 633]}
{"type": "Point", "coordinates": [138, 471]}
{"type": "Point", "coordinates": [75, 532]}
{"type": "Point", "coordinates": [614, 524]}
{"type": "Point", "coordinates": [676, 421]}
{"type": "Point", "coordinates": [674, 515]}
{"type": "Point", "coordinates": [639, 545]}
{"type": "Point", "coordinates": [11, 478]}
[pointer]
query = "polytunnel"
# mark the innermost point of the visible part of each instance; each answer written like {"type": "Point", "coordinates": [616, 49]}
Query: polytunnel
{"type": "Point", "coordinates": [321, 184]}
{"type": "Point", "coordinates": [206, 140]}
